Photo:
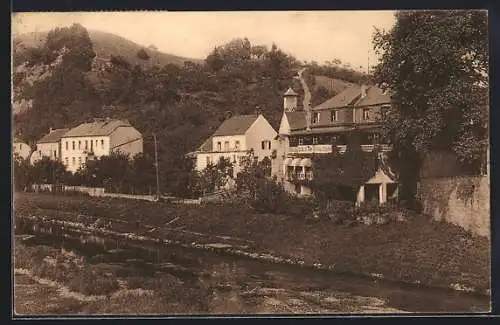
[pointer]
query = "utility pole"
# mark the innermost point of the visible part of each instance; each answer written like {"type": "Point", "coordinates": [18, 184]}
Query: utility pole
{"type": "Point", "coordinates": [156, 166]}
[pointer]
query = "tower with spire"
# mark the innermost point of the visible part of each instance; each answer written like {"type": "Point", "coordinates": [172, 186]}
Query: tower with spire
{"type": "Point", "coordinates": [290, 100]}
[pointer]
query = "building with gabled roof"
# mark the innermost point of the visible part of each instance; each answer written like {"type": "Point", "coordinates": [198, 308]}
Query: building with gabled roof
{"type": "Point", "coordinates": [99, 137]}
{"type": "Point", "coordinates": [49, 145]}
{"type": "Point", "coordinates": [234, 139]}
{"type": "Point", "coordinates": [319, 129]}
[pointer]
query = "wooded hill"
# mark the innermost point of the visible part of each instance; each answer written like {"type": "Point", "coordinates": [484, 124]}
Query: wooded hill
{"type": "Point", "coordinates": [182, 104]}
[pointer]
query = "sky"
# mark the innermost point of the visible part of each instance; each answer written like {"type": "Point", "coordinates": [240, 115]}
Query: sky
{"type": "Point", "coordinates": [307, 35]}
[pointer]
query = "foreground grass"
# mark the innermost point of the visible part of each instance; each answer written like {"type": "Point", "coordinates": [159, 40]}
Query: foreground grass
{"type": "Point", "coordinates": [416, 251]}
{"type": "Point", "coordinates": [101, 292]}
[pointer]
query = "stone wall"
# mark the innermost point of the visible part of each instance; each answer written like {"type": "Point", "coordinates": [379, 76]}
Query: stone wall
{"type": "Point", "coordinates": [461, 200]}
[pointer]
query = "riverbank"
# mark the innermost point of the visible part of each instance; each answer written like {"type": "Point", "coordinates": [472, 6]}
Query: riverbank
{"type": "Point", "coordinates": [51, 281]}
{"type": "Point", "coordinates": [417, 251]}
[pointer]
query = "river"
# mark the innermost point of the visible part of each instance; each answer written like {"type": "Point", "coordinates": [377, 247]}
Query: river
{"type": "Point", "coordinates": [253, 287]}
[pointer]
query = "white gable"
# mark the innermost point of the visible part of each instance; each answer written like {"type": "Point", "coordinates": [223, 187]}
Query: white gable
{"type": "Point", "coordinates": [284, 125]}
{"type": "Point", "coordinates": [380, 177]}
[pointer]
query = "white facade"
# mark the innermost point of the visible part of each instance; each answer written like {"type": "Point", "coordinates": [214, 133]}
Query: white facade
{"type": "Point", "coordinates": [259, 138]}
{"type": "Point", "coordinates": [21, 149]}
{"type": "Point", "coordinates": [50, 150]}
{"type": "Point", "coordinates": [76, 150]}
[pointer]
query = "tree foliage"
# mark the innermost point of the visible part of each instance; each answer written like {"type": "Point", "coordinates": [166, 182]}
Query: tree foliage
{"type": "Point", "coordinates": [143, 54]}
{"type": "Point", "coordinates": [339, 176]}
{"type": "Point", "coordinates": [182, 105]}
{"type": "Point", "coordinates": [435, 63]}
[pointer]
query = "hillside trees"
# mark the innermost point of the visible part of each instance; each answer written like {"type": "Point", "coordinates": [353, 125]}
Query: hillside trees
{"type": "Point", "coordinates": [436, 64]}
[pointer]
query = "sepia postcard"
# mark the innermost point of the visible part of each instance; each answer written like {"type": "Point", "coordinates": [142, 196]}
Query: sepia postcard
{"type": "Point", "coordinates": [250, 163]}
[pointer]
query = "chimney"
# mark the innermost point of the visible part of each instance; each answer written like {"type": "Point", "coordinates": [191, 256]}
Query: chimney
{"type": "Point", "coordinates": [364, 88]}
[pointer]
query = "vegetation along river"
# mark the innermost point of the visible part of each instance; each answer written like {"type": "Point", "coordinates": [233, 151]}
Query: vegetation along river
{"type": "Point", "coordinates": [231, 285]}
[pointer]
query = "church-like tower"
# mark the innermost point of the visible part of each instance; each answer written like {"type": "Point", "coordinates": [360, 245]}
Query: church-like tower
{"type": "Point", "coordinates": [290, 100]}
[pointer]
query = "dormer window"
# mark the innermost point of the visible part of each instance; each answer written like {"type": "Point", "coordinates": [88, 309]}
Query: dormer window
{"type": "Point", "coordinates": [366, 114]}
{"type": "Point", "coordinates": [334, 115]}
{"type": "Point", "coordinates": [315, 119]}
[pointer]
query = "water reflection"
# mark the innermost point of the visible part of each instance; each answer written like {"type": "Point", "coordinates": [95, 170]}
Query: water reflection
{"type": "Point", "coordinates": [236, 285]}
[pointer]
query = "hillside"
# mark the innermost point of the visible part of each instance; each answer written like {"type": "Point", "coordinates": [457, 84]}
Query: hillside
{"type": "Point", "coordinates": [107, 44]}
{"type": "Point", "coordinates": [332, 84]}
{"type": "Point", "coordinates": [63, 82]}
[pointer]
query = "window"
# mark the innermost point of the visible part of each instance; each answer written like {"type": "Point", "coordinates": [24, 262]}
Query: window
{"type": "Point", "coordinates": [219, 146]}
{"type": "Point", "coordinates": [79, 160]}
{"type": "Point", "coordinates": [67, 145]}
{"type": "Point", "coordinates": [208, 160]}
{"type": "Point", "coordinates": [66, 159]}
{"type": "Point", "coordinates": [315, 140]}
{"type": "Point", "coordinates": [373, 138]}
{"type": "Point", "coordinates": [102, 144]}
{"type": "Point", "coordinates": [86, 144]}
{"type": "Point", "coordinates": [55, 153]}
{"type": "Point", "coordinates": [73, 145]}
{"type": "Point", "coordinates": [79, 144]}
{"type": "Point", "coordinates": [301, 141]}
{"type": "Point", "coordinates": [226, 145]}
{"type": "Point", "coordinates": [91, 145]}
{"type": "Point", "coordinates": [237, 145]}
{"type": "Point", "coordinates": [86, 158]}
{"type": "Point", "coordinates": [234, 158]}
{"type": "Point", "coordinates": [366, 114]}
{"type": "Point", "coordinates": [266, 145]}
{"type": "Point", "coordinates": [74, 160]}
{"type": "Point", "coordinates": [334, 115]}
{"type": "Point", "coordinates": [315, 117]}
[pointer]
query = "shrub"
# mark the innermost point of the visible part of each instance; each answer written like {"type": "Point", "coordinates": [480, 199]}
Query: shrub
{"type": "Point", "coordinates": [89, 283]}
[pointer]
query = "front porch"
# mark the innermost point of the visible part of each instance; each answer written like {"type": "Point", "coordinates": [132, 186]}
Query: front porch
{"type": "Point", "coordinates": [381, 188]}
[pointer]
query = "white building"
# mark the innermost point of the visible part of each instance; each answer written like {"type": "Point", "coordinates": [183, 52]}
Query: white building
{"type": "Point", "coordinates": [49, 145]}
{"type": "Point", "coordinates": [99, 138]}
{"type": "Point", "coordinates": [20, 148]}
{"type": "Point", "coordinates": [234, 139]}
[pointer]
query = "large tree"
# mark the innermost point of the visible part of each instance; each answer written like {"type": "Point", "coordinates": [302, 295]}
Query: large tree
{"type": "Point", "coordinates": [435, 63]}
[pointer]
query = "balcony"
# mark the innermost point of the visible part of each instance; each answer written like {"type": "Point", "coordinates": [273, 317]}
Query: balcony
{"type": "Point", "coordinates": [299, 175]}
{"type": "Point", "coordinates": [327, 148]}
{"type": "Point", "coordinates": [315, 148]}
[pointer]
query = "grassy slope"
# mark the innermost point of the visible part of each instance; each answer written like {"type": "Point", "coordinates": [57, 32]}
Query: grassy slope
{"type": "Point", "coordinates": [333, 85]}
{"type": "Point", "coordinates": [106, 44]}
{"type": "Point", "coordinates": [432, 253]}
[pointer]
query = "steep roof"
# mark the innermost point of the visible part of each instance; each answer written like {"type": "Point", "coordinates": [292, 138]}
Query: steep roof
{"type": "Point", "coordinates": [342, 99]}
{"type": "Point", "coordinates": [100, 127]}
{"type": "Point", "coordinates": [374, 96]}
{"type": "Point", "coordinates": [291, 92]}
{"type": "Point", "coordinates": [296, 120]}
{"type": "Point", "coordinates": [352, 95]}
{"type": "Point", "coordinates": [53, 136]}
{"type": "Point", "coordinates": [236, 125]}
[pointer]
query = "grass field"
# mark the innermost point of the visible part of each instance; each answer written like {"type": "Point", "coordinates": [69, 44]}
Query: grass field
{"type": "Point", "coordinates": [416, 251]}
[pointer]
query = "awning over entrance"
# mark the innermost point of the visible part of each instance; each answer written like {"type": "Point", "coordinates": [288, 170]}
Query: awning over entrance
{"type": "Point", "coordinates": [296, 162]}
